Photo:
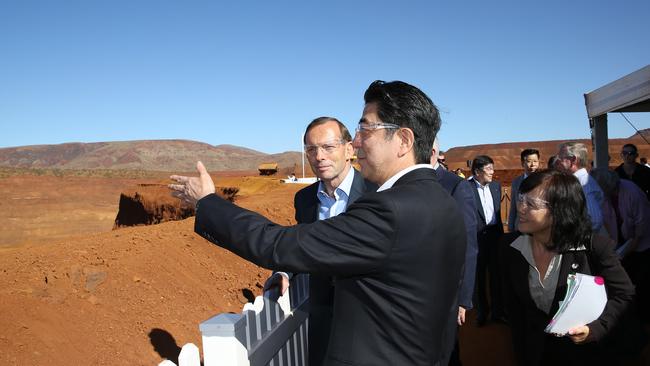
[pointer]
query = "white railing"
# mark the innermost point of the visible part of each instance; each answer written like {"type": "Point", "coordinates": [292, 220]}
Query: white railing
{"type": "Point", "coordinates": [268, 332]}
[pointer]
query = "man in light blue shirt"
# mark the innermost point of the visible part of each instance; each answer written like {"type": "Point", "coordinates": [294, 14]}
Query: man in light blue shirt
{"type": "Point", "coordinates": [572, 159]}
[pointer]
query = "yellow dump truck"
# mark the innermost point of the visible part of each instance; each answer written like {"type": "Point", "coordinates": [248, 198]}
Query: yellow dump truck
{"type": "Point", "coordinates": [268, 168]}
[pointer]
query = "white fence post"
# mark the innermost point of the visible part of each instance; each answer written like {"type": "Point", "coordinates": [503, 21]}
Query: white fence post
{"type": "Point", "coordinates": [220, 344]}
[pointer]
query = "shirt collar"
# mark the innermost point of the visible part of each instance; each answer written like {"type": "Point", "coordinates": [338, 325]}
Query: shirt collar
{"type": "Point", "coordinates": [582, 175]}
{"type": "Point", "coordinates": [345, 186]}
{"type": "Point", "coordinates": [478, 184]}
{"type": "Point", "coordinates": [389, 183]}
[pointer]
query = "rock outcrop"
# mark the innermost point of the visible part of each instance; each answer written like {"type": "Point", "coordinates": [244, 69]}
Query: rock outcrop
{"type": "Point", "coordinates": [151, 204]}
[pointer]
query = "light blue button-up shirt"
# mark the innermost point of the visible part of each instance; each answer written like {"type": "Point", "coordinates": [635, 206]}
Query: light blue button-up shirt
{"type": "Point", "coordinates": [332, 206]}
{"type": "Point", "coordinates": [594, 196]}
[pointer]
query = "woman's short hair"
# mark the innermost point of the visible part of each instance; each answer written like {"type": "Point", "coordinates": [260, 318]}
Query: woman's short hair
{"type": "Point", "coordinates": [570, 222]}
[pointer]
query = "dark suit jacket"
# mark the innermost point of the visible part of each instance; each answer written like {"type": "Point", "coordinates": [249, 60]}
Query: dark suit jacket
{"type": "Point", "coordinates": [528, 322]}
{"type": "Point", "coordinates": [396, 262]}
{"type": "Point", "coordinates": [495, 190]}
{"type": "Point", "coordinates": [461, 191]}
{"type": "Point", "coordinates": [514, 191]}
{"type": "Point", "coordinates": [321, 291]}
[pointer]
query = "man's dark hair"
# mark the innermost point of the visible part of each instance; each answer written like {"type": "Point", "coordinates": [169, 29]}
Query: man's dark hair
{"type": "Point", "coordinates": [407, 106]}
{"type": "Point", "coordinates": [345, 134]}
{"type": "Point", "coordinates": [528, 152]}
{"type": "Point", "coordinates": [479, 162]}
{"type": "Point", "coordinates": [571, 225]}
{"type": "Point", "coordinates": [631, 146]}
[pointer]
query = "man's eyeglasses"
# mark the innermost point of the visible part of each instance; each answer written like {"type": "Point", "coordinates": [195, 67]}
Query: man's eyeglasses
{"type": "Point", "coordinates": [628, 153]}
{"type": "Point", "coordinates": [363, 127]}
{"type": "Point", "coordinates": [328, 147]}
{"type": "Point", "coordinates": [534, 203]}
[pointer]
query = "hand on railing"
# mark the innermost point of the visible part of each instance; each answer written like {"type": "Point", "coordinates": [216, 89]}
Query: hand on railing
{"type": "Point", "coordinates": [277, 285]}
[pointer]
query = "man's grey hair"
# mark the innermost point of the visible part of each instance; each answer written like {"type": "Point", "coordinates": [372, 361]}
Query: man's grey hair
{"type": "Point", "coordinates": [577, 150]}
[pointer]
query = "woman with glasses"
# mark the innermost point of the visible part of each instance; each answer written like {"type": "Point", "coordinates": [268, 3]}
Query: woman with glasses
{"type": "Point", "coordinates": [557, 240]}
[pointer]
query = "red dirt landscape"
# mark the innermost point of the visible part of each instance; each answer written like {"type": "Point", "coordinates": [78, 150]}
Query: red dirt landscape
{"type": "Point", "coordinates": [73, 291]}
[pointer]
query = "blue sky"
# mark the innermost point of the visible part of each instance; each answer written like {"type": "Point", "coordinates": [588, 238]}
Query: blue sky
{"type": "Point", "coordinates": [254, 74]}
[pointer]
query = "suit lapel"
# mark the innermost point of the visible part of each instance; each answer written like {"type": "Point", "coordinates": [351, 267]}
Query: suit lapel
{"type": "Point", "coordinates": [309, 209]}
{"type": "Point", "coordinates": [479, 204]}
{"type": "Point", "coordinates": [358, 187]}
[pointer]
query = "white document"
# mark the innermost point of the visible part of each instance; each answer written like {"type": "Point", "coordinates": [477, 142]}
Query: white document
{"type": "Point", "coordinates": [583, 303]}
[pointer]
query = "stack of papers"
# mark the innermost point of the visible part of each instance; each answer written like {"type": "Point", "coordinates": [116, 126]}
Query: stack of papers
{"type": "Point", "coordinates": [583, 303]}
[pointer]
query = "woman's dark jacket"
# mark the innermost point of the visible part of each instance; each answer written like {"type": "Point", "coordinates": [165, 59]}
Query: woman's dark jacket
{"type": "Point", "coordinates": [528, 322]}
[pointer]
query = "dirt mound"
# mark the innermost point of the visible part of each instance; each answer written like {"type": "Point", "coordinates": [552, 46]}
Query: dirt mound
{"type": "Point", "coordinates": [150, 204]}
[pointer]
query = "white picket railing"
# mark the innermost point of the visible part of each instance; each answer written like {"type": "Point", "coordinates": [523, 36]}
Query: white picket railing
{"type": "Point", "coordinates": [267, 332]}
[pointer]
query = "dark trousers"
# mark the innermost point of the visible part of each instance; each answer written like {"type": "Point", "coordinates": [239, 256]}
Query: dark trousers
{"type": "Point", "coordinates": [637, 266]}
{"type": "Point", "coordinates": [487, 271]}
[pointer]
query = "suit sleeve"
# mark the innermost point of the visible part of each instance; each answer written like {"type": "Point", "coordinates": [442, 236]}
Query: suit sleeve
{"type": "Point", "coordinates": [512, 215]}
{"type": "Point", "coordinates": [355, 242]}
{"type": "Point", "coordinates": [465, 199]}
{"type": "Point", "coordinates": [620, 291]}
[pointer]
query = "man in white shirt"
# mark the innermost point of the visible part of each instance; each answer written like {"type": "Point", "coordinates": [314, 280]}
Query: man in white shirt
{"type": "Point", "coordinates": [487, 193]}
{"type": "Point", "coordinates": [572, 159]}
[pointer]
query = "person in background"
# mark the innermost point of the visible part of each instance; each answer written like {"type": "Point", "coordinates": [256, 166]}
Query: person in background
{"type": "Point", "coordinates": [394, 252]}
{"type": "Point", "coordinates": [441, 160]}
{"type": "Point", "coordinates": [462, 192]}
{"type": "Point", "coordinates": [459, 172]}
{"type": "Point", "coordinates": [328, 147]}
{"type": "Point", "coordinates": [530, 163]}
{"type": "Point", "coordinates": [572, 159]}
{"type": "Point", "coordinates": [644, 161]}
{"type": "Point", "coordinates": [557, 240]}
{"type": "Point", "coordinates": [626, 215]}
{"type": "Point", "coordinates": [552, 161]}
{"type": "Point", "coordinates": [487, 196]}
{"type": "Point", "coordinates": [631, 170]}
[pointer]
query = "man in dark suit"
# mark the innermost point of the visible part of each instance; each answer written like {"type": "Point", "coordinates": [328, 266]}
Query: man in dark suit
{"type": "Point", "coordinates": [461, 191]}
{"type": "Point", "coordinates": [487, 195]}
{"type": "Point", "coordinates": [530, 163]}
{"type": "Point", "coordinates": [328, 147]}
{"type": "Point", "coordinates": [394, 252]}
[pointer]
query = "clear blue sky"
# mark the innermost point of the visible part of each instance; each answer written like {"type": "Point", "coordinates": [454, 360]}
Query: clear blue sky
{"type": "Point", "coordinates": [254, 74]}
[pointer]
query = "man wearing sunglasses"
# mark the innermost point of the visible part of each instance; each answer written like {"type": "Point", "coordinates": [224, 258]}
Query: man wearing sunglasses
{"type": "Point", "coordinates": [396, 254]}
{"type": "Point", "coordinates": [631, 170]}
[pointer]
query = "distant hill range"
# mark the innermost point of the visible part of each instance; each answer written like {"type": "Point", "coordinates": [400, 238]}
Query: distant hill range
{"type": "Point", "coordinates": [181, 155]}
{"type": "Point", "coordinates": [507, 155]}
{"type": "Point", "coordinates": [155, 155]}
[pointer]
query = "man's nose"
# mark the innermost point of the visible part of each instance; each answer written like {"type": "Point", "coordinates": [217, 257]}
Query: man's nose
{"type": "Point", "coordinates": [356, 141]}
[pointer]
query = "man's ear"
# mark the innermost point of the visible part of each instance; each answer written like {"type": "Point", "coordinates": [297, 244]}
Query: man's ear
{"type": "Point", "coordinates": [434, 156]}
{"type": "Point", "coordinates": [407, 140]}
{"type": "Point", "coordinates": [349, 150]}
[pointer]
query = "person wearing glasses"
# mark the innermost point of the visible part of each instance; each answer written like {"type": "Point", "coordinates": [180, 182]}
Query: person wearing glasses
{"type": "Point", "coordinates": [572, 159]}
{"type": "Point", "coordinates": [396, 254]}
{"type": "Point", "coordinates": [631, 170]}
{"type": "Point", "coordinates": [487, 194]}
{"type": "Point", "coordinates": [530, 163]}
{"type": "Point", "coordinates": [328, 147]}
{"type": "Point", "coordinates": [556, 240]}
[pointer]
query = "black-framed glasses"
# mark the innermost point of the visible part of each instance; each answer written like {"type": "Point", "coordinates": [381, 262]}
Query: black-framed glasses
{"type": "Point", "coordinates": [628, 153]}
{"type": "Point", "coordinates": [327, 147]}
